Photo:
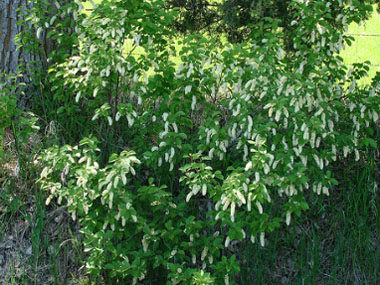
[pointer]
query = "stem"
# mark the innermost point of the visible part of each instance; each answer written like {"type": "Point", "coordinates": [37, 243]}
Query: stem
{"type": "Point", "coordinates": [116, 103]}
{"type": "Point", "coordinates": [19, 157]}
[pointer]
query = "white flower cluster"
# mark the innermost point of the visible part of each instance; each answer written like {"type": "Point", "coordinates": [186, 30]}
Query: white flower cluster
{"type": "Point", "coordinates": [169, 152]}
{"type": "Point", "coordinates": [195, 190]}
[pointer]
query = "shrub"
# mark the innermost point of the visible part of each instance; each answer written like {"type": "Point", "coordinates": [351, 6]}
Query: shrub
{"type": "Point", "coordinates": [215, 151]}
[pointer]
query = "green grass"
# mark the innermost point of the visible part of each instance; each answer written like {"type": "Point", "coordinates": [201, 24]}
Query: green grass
{"type": "Point", "coordinates": [87, 5]}
{"type": "Point", "coordinates": [365, 47]}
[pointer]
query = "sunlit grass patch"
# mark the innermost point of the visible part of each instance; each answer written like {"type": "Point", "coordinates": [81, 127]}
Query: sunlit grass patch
{"type": "Point", "coordinates": [366, 45]}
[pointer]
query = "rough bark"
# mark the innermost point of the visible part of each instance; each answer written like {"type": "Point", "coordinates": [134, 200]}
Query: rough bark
{"type": "Point", "coordinates": [10, 56]}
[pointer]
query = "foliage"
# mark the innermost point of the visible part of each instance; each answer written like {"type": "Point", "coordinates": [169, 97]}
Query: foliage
{"type": "Point", "coordinates": [13, 121]}
{"type": "Point", "coordinates": [215, 152]}
{"type": "Point", "coordinates": [50, 32]}
{"type": "Point", "coordinates": [234, 18]}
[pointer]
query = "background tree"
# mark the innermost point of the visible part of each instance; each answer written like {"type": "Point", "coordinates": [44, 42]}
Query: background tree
{"type": "Point", "coordinates": [234, 18]}
{"type": "Point", "coordinates": [229, 17]}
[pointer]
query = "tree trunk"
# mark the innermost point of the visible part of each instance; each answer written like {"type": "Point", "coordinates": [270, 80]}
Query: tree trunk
{"type": "Point", "coordinates": [12, 11]}
{"type": "Point", "coordinates": [13, 15]}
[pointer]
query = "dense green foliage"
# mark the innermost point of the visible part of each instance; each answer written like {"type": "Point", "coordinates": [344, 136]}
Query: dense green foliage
{"type": "Point", "coordinates": [171, 167]}
{"type": "Point", "coordinates": [236, 19]}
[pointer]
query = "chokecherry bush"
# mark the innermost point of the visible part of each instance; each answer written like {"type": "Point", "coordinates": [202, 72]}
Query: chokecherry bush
{"type": "Point", "coordinates": [192, 150]}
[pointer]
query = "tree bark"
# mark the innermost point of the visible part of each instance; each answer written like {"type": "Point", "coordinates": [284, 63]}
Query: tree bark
{"type": "Point", "coordinates": [12, 11]}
